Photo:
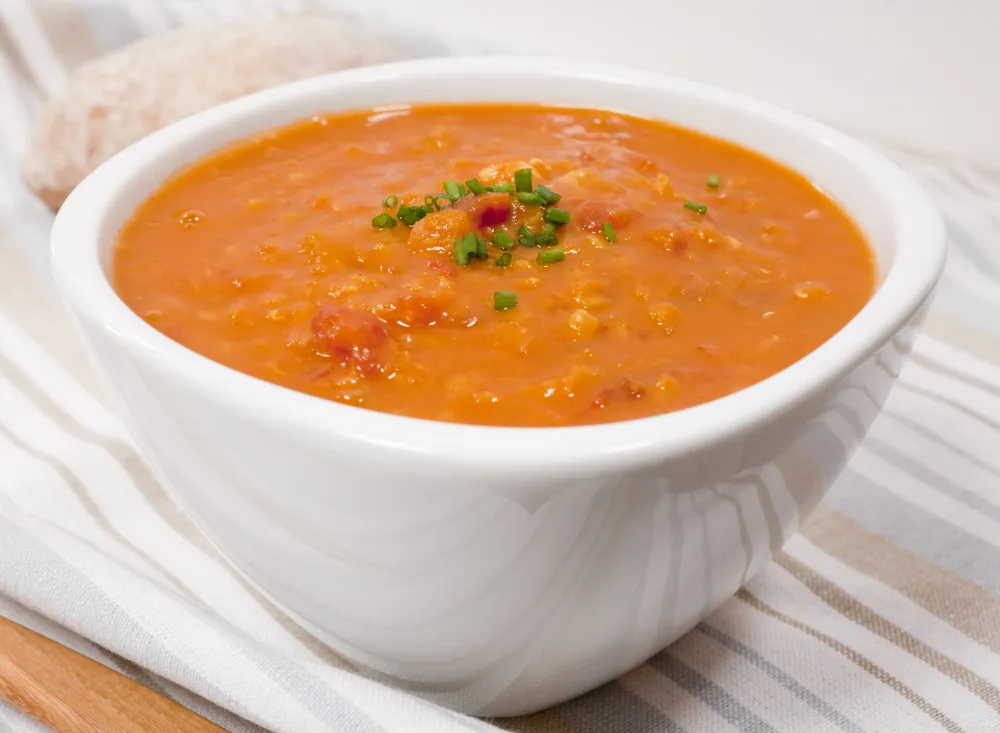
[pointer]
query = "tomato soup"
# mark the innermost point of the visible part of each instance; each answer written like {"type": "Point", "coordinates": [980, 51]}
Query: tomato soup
{"type": "Point", "coordinates": [495, 264]}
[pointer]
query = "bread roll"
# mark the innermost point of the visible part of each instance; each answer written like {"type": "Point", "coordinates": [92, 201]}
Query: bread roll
{"type": "Point", "coordinates": [113, 101]}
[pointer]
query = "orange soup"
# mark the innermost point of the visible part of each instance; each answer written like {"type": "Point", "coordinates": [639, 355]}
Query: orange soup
{"type": "Point", "coordinates": [495, 264]}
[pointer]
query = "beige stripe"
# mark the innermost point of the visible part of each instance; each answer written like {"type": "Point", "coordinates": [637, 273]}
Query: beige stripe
{"type": "Point", "coordinates": [963, 336]}
{"type": "Point", "coordinates": [130, 462]}
{"type": "Point", "coordinates": [954, 404]}
{"type": "Point", "coordinates": [80, 491]}
{"type": "Point", "coordinates": [861, 661]}
{"type": "Point", "coordinates": [547, 721]}
{"type": "Point", "coordinates": [861, 614]}
{"type": "Point", "coordinates": [161, 503]}
{"type": "Point", "coordinates": [952, 373]}
{"type": "Point", "coordinates": [68, 32]}
{"type": "Point", "coordinates": [968, 607]}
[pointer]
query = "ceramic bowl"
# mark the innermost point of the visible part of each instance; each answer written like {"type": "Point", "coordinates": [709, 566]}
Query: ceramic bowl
{"type": "Point", "coordinates": [499, 582]}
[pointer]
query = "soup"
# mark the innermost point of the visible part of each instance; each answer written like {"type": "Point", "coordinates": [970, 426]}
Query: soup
{"type": "Point", "coordinates": [495, 264]}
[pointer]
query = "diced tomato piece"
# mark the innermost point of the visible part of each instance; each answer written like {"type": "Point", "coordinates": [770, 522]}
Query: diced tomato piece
{"type": "Point", "coordinates": [488, 210]}
{"type": "Point", "coordinates": [592, 214]}
{"type": "Point", "coordinates": [354, 336]}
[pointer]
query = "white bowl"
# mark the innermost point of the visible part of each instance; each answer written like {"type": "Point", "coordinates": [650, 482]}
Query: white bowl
{"type": "Point", "coordinates": [501, 570]}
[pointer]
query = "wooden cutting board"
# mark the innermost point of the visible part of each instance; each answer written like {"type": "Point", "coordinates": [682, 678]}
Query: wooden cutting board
{"type": "Point", "coordinates": [72, 693]}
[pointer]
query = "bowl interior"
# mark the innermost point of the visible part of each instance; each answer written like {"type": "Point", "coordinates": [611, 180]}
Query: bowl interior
{"type": "Point", "coordinates": [899, 222]}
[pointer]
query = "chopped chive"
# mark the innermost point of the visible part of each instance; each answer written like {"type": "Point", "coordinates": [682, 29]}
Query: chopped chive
{"type": "Point", "coordinates": [504, 300]}
{"type": "Point", "coordinates": [522, 180]}
{"type": "Point", "coordinates": [503, 240]}
{"type": "Point", "coordinates": [410, 215]}
{"type": "Point", "coordinates": [609, 232]}
{"type": "Point", "coordinates": [713, 181]}
{"type": "Point", "coordinates": [531, 199]}
{"type": "Point", "coordinates": [475, 186]}
{"type": "Point", "coordinates": [700, 208]}
{"type": "Point", "coordinates": [548, 195]}
{"type": "Point", "coordinates": [390, 202]}
{"type": "Point", "coordinates": [481, 251]}
{"type": "Point", "coordinates": [430, 201]}
{"type": "Point", "coordinates": [547, 235]}
{"type": "Point", "coordinates": [501, 188]}
{"type": "Point", "coordinates": [557, 216]}
{"type": "Point", "coordinates": [526, 237]}
{"type": "Point", "coordinates": [550, 255]}
{"type": "Point", "coordinates": [462, 190]}
{"type": "Point", "coordinates": [438, 197]}
{"type": "Point", "coordinates": [452, 190]}
{"type": "Point", "coordinates": [383, 221]}
{"type": "Point", "coordinates": [503, 260]}
{"type": "Point", "coordinates": [466, 247]}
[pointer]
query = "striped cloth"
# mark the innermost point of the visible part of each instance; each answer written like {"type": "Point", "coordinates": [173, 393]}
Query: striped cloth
{"type": "Point", "coordinates": [882, 615]}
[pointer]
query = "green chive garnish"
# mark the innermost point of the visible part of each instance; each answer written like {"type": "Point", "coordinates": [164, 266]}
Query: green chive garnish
{"type": "Point", "coordinates": [503, 260]}
{"type": "Point", "coordinates": [429, 202]}
{"type": "Point", "coordinates": [609, 232]}
{"type": "Point", "coordinates": [501, 188]}
{"type": "Point", "coordinates": [713, 181]}
{"type": "Point", "coordinates": [550, 255]}
{"type": "Point", "coordinates": [548, 195]}
{"type": "Point", "coordinates": [390, 202]}
{"type": "Point", "coordinates": [383, 221]}
{"type": "Point", "coordinates": [522, 180]}
{"type": "Point", "coordinates": [557, 216]}
{"type": "Point", "coordinates": [440, 196]}
{"type": "Point", "coordinates": [503, 240]}
{"type": "Point", "coordinates": [526, 237]}
{"type": "Point", "coordinates": [452, 190]}
{"type": "Point", "coordinates": [410, 215]}
{"type": "Point", "coordinates": [504, 300]}
{"type": "Point", "coordinates": [531, 199]}
{"type": "Point", "coordinates": [465, 248]}
{"type": "Point", "coordinates": [475, 186]}
{"type": "Point", "coordinates": [547, 235]}
{"type": "Point", "coordinates": [700, 208]}
{"type": "Point", "coordinates": [481, 251]}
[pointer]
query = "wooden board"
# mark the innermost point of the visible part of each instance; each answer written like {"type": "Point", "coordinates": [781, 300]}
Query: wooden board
{"type": "Point", "coordinates": [72, 693]}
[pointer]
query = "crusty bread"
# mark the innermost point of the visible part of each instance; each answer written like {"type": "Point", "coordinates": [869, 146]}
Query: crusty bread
{"type": "Point", "coordinates": [113, 101]}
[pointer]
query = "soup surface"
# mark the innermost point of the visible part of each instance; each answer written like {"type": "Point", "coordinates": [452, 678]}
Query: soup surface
{"type": "Point", "coordinates": [564, 266]}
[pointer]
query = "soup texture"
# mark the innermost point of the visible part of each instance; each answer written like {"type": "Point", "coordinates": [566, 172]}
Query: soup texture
{"type": "Point", "coordinates": [495, 264]}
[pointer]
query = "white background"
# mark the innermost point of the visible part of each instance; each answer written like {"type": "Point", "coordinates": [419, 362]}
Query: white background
{"type": "Point", "coordinates": [924, 73]}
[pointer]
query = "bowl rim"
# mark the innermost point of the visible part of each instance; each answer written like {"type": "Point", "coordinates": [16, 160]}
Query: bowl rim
{"type": "Point", "coordinates": [553, 451]}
